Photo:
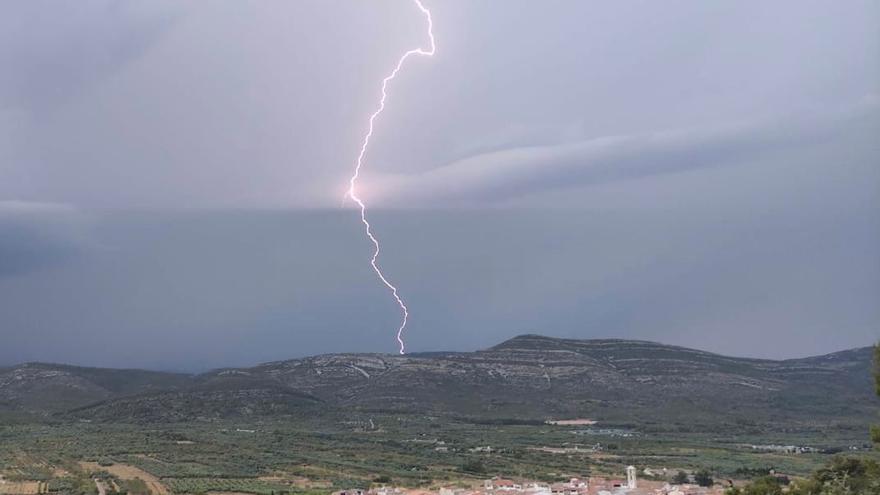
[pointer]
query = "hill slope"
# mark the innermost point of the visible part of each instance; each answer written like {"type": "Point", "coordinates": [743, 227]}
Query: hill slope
{"type": "Point", "coordinates": [42, 387]}
{"type": "Point", "coordinates": [527, 377]}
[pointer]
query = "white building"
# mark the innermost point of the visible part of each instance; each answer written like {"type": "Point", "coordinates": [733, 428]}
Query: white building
{"type": "Point", "coordinates": [631, 477]}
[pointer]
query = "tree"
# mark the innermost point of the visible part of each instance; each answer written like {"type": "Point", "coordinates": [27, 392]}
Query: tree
{"type": "Point", "coordinates": [843, 476]}
{"type": "Point", "coordinates": [875, 430]}
{"type": "Point", "coordinates": [680, 478]}
{"type": "Point", "coordinates": [877, 369]}
{"type": "Point", "coordinates": [765, 485]}
{"type": "Point", "coordinates": [474, 466]}
{"type": "Point", "coordinates": [849, 475]}
{"type": "Point", "coordinates": [703, 478]}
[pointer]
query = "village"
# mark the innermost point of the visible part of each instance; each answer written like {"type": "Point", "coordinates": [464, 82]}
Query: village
{"type": "Point", "coordinates": [630, 485]}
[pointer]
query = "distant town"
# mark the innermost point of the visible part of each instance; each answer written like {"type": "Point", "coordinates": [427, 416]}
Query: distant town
{"type": "Point", "coordinates": [630, 484]}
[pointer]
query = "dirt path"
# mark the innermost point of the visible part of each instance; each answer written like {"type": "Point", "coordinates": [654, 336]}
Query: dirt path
{"type": "Point", "coordinates": [102, 490]}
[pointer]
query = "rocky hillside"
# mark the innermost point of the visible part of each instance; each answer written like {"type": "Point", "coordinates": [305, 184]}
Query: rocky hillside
{"type": "Point", "coordinates": [527, 377]}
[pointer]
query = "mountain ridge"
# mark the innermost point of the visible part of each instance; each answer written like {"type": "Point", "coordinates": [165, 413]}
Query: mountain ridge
{"type": "Point", "coordinates": [516, 338]}
{"type": "Point", "coordinates": [528, 376]}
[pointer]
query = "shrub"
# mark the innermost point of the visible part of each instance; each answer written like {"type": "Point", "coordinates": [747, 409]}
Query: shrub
{"type": "Point", "coordinates": [680, 478]}
{"type": "Point", "coordinates": [703, 478]}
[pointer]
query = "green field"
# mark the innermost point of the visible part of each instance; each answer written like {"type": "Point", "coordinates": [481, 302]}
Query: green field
{"type": "Point", "coordinates": [314, 454]}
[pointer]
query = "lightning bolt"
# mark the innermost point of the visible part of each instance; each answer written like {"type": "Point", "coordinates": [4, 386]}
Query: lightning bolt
{"type": "Point", "coordinates": [351, 193]}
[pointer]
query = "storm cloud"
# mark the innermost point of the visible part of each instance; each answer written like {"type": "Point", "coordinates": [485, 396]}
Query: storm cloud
{"type": "Point", "coordinates": [262, 104]}
{"type": "Point", "coordinates": [36, 235]}
{"type": "Point", "coordinates": [696, 173]}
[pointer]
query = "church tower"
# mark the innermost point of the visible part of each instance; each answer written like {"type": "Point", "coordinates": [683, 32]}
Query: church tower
{"type": "Point", "coordinates": [631, 477]}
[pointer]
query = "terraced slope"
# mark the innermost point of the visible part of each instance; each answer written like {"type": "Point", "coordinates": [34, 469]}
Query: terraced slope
{"type": "Point", "coordinates": [529, 377]}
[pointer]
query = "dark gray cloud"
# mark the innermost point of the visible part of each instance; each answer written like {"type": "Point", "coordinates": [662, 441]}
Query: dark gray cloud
{"type": "Point", "coordinates": [35, 236]}
{"type": "Point", "coordinates": [197, 290]}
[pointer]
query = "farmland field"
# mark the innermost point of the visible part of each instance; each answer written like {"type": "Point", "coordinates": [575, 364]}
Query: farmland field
{"type": "Point", "coordinates": [22, 488]}
{"type": "Point", "coordinates": [320, 454]}
{"type": "Point", "coordinates": [126, 472]}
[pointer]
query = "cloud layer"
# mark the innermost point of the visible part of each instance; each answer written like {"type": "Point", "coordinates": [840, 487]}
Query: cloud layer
{"type": "Point", "coordinates": [262, 104]}
{"type": "Point", "coordinates": [515, 172]}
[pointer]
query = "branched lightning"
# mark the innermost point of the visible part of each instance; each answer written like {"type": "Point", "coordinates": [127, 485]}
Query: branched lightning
{"type": "Point", "coordinates": [360, 160]}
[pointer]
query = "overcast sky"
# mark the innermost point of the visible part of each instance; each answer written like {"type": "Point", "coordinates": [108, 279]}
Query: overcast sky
{"type": "Point", "coordinates": [697, 173]}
